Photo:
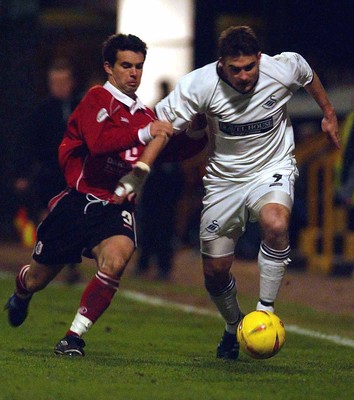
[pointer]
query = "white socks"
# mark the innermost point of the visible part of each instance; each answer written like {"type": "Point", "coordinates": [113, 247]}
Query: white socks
{"type": "Point", "coordinates": [80, 324]}
{"type": "Point", "coordinates": [272, 264]}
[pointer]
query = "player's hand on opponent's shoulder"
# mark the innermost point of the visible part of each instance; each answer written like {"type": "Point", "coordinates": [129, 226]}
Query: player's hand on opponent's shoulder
{"type": "Point", "coordinates": [329, 125]}
{"type": "Point", "coordinates": [163, 128]}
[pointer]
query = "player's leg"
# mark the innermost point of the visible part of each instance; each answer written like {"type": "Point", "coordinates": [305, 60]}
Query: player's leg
{"type": "Point", "coordinates": [222, 290]}
{"type": "Point", "coordinates": [112, 256]}
{"type": "Point", "coordinates": [222, 221]}
{"type": "Point", "coordinates": [270, 201]}
{"type": "Point", "coordinates": [30, 279]}
{"type": "Point", "coordinates": [273, 256]}
{"type": "Point", "coordinates": [111, 243]}
{"type": "Point", "coordinates": [57, 243]}
{"type": "Point", "coordinates": [219, 281]}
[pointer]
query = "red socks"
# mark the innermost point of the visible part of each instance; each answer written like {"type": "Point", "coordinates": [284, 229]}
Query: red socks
{"type": "Point", "coordinates": [20, 282]}
{"type": "Point", "coordinates": [98, 295]}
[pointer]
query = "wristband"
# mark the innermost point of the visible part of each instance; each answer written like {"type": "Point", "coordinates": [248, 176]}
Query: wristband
{"type": "Point", "coordinates": [143, 166]}
{"type": "Point", "coordinates": [144, 134]}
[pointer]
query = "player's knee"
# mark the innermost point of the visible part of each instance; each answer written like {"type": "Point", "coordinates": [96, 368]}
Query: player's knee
{"type": "Point", "coordinates": [112, 264]}
{"type": "Point", "coordinates": [216, 272]}
{"type": "Point", "coordinates": [217, 266]}
{"type": "Point", "coordinates": [112, 255]}
{"type": "Point", "coordinates": [274, 222]}
{"type": "Point", "coordinates": [275, 230]}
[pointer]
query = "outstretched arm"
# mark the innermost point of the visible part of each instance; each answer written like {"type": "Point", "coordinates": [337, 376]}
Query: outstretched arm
{"type": "Point", "coordinates": [131, 184]}
{"type": "Point", "coordinates": [329, 122]}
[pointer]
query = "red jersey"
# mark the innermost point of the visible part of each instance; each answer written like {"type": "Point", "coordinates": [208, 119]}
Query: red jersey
{"type": "Point", "coordinates": [103, 140]}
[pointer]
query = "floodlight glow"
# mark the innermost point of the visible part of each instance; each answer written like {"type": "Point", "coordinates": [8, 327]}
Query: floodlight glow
{"type": "Point", "coordinates": [167, 28]}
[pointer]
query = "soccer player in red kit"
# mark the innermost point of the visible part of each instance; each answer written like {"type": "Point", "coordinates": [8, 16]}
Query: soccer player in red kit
{"type": "Point", "coordinates": [110, 143]}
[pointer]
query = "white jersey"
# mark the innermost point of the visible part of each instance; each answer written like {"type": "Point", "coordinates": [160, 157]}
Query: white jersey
{"type": "Point", "coordinates": [249, 133]}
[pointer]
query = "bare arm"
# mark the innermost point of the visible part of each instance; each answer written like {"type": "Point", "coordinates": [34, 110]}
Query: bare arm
{"type": "Point", "coordinates": [131, 184]}
{"type": "Point", "coordinates": [153, 149]}
{"type": "Point", "coordinates": [329, 122]}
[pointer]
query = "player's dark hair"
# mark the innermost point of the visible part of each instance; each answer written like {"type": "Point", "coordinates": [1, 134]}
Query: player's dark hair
{"type": "Point", "coordinates": [121, 42]}
{"type": "Point", "coordinates": [238, 40]}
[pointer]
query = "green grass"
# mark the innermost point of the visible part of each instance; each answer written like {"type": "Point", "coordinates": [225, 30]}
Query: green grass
{"type": "Point", "coordinates": [137, 351]}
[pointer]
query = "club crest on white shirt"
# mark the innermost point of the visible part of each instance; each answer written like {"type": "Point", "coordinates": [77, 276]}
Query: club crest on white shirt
{"type": "Point", "coordinates": [270, 103]}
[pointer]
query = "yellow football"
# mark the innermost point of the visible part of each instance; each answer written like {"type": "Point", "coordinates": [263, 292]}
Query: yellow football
{"type": "Point", "coordinates": [261, 334]}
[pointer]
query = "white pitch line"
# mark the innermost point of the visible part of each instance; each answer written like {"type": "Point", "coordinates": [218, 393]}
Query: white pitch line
{"type": "Point", "coordinates": [159, 302]}
{"type": "Point", "coordinates": [319, 335]}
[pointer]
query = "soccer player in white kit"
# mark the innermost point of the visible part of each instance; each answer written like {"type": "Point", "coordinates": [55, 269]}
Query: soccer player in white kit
{"type": "Point", "coordinates": [251, 168]}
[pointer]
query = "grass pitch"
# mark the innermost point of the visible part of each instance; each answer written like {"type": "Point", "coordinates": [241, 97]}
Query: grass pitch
{"type": "Point", "coordinates": [137, 351]}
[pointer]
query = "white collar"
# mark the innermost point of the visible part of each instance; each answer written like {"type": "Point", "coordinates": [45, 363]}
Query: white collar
{"type": "Point", "coordinates": [133, 105]}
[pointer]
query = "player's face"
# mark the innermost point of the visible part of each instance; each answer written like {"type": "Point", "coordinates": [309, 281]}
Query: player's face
{"type": "Point", "coordinates": [126, 72]}
{"type": "Point", "coordinates": [241, 72]}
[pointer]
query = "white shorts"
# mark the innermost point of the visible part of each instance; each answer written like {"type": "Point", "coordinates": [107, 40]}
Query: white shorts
{"type": "Point", "coordinates": [227, 205]}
